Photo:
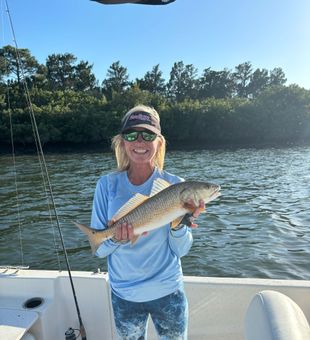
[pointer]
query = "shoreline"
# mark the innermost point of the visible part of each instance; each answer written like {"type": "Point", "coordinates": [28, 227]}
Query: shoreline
{"type": "Point", "coordinates": [104, 148]}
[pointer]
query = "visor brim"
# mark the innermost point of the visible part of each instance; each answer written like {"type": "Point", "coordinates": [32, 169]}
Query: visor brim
{"type": "Point", "coordinates": [145, 126]}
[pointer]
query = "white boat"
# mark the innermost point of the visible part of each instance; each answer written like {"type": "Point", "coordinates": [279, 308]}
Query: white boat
{"type": "Point", "coordinates": [39, 305]}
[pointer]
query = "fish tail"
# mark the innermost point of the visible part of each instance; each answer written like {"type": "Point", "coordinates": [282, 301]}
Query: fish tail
{"type": "Point", "coordinates": [92, 235]}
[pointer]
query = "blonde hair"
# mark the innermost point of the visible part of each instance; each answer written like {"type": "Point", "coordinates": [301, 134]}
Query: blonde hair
{"type": "Point", "coordinates": [122, 158]}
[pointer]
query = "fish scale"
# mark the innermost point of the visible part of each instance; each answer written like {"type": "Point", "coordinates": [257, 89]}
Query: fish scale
{"type": "Point", "coordinates": [166, 206]}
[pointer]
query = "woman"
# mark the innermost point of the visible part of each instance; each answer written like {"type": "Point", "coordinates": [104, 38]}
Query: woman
{"type": "Point", "coordinates": [146, 279]}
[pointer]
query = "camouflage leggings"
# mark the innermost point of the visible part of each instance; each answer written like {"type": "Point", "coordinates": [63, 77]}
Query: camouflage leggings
{"type": "Point", "coordinates": [169, 315]}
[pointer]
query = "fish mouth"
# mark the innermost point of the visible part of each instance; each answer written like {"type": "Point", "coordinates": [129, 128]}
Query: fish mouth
{"type": "Point", "coordinates": [216, 193]}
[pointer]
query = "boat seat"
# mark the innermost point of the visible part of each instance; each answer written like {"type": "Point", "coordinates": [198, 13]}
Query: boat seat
{"type": "Point", "coordinates": [15, 323]}
{"type": "Point", "coordinates": [274, 316]}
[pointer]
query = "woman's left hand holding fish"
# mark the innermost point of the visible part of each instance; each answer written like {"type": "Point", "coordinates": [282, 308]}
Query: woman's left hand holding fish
{"type": "Point", "coordinates": [189, 218]}
{"type": "Point", "coordinates": [201, 207]}
{"type": "Point", "coordinates": [197, 212]}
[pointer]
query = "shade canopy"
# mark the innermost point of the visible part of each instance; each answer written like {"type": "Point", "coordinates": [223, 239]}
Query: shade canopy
{"type": "Point", "coordinates": [138, 2]}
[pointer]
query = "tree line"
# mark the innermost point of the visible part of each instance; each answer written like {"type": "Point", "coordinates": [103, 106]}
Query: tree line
{"type": "Point", "coordinates": [227, 107]}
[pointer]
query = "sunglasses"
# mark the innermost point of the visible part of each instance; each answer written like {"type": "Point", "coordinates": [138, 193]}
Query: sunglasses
{"type": "Point", "coordinates": [131, 136]}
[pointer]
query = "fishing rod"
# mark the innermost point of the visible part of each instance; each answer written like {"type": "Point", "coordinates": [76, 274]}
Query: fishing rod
{"type": "Point", "coordinates": [41, 154]}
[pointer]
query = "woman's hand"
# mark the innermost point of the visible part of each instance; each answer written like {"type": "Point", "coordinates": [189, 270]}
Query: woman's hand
{"type": "Point", "coordinates": [123, 232]}
{"type": "Point", "coordinates": [198, 210]}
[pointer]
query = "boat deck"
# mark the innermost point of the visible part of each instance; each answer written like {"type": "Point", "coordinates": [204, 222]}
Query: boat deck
{"type": "Point", "coordinates": [217, 305]}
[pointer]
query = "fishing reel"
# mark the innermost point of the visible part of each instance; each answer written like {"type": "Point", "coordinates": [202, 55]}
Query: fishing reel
{"type": "Point", "coordinates": [70, 334]}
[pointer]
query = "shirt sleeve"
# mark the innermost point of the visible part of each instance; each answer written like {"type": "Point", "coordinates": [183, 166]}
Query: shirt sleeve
{"type": "Point", "coordinates": [180, 241]}
{"type": "Point", "coordinates": [99, 216]}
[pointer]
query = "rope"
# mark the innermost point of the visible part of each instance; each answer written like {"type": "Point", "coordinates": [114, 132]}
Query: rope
{"type": "Point", "coordinates": [16, 185]}
{"type": "Point", "coordinates": [15, 171]}
{"type": "Point", "coordinates": [13, 157]}
{"type": "Point", "coordinates": [41, 153]}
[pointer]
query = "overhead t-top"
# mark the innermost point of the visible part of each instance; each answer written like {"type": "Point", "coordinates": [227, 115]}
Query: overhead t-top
{"type": "Point", "coordinates": [138, 2]}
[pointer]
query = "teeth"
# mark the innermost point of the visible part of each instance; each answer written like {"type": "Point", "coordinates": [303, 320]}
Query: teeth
{"type": "Point", "coordinates": [140, 151]}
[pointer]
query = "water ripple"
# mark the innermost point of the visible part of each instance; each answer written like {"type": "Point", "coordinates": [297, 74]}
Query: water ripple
{"type": "Point", "coordinates": [259, 227]}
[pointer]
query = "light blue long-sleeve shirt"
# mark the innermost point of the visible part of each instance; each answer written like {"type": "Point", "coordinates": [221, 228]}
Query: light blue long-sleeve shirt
{"type": "Point", "coordinates": [151, 268]}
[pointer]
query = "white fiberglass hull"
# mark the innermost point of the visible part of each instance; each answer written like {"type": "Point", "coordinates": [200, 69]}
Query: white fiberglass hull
{"type": "Point", "coordinates": [217, 305]}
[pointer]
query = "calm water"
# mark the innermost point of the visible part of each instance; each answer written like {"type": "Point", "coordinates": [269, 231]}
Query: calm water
{"type": "Point", "coordinates": [259, 227]}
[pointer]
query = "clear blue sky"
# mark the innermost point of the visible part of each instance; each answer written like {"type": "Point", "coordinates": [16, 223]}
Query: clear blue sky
{"type": "Point", "coordinates": [205, 33]}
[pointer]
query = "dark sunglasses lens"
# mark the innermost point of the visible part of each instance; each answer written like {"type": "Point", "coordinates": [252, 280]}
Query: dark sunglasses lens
{"type": "Point", "coordinates": [130, 136]}
{"type": "Point", "coordinates": [133, 135]}
{"type": "Point", "coordinates": [148, 136]}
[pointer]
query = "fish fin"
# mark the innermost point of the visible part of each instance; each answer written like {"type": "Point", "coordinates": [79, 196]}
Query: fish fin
{"type": "Point", "coordinates": [134, 239]}
{"type": "Point", "coordinates": [176, 222]}
{"type": "Point", "coordinates": [91, 234]}
{"type": "Point", "coordinates": [129, 205]}
{"type": "Point", "coordinates": [158, 185]}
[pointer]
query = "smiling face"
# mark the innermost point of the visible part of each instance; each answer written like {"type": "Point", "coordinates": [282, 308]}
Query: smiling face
{"type": "Point", "coordinates": [141, 151]}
